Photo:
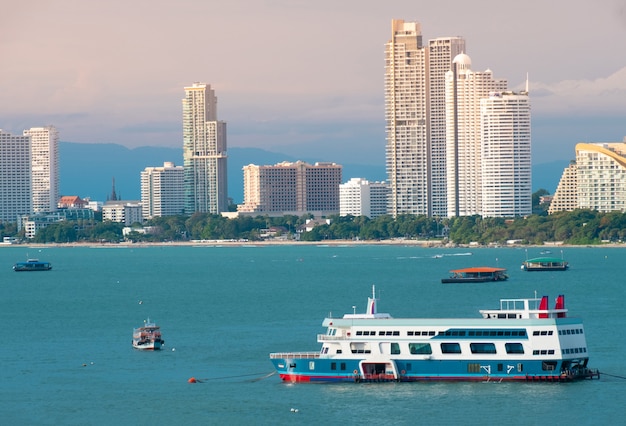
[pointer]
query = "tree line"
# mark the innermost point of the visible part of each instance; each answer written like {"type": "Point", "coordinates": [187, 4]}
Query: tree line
{"type": "Point", "coordinates": [576, 227]}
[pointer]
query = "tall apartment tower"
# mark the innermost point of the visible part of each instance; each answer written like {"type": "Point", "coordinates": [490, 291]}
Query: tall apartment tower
{"type": "Point", "coordinates": [44, 148]}
{"type": "Point", "coordinates": [464, 90]}
{"type": "Point", "coordinates": [291, 188]}
{"type": "Point", "coordinates": [505, 155]}
{"type": "Point", "coordinates": [204, 152]}
{"type": "Point", "coordinates": [15, 181]}
{"type": "Point", "coordinates": [441, 52]}
{"type": "Point", "coordinates": [162, 190]}
{"type": "Point", "coordinates": [415, 119]}
{"type": "Point", "coordinates": [406, 119]}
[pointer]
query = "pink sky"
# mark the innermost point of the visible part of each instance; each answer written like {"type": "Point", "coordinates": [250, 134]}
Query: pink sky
{"type": "Point", "coordinates": [291, 75]}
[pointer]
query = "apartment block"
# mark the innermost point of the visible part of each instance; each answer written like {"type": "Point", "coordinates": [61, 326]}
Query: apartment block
{"type": "Point", "coordinates": [163, 190]}
{"type": "Point", "coordinates": [360, 197]}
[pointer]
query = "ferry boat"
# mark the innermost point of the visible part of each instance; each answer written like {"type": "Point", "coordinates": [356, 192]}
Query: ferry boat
{"type": "Point", "coordinates": [545, 264]}
{"type": "Point", "coordinates": [523, 340]}
{"type": "Point", "coordinates": [32, 265]}
{"type": "Point", "coordinates": [148, 337]}
{"type": "Point", "coordinates": [478, 274]}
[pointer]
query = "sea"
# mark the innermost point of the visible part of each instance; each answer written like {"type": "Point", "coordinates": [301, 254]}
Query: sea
{"type": "Point", "coordinates": [65, 342]}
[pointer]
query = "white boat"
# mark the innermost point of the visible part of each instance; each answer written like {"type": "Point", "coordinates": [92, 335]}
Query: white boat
{"type": "Point", "coordinates": [523, 340]}
{"type": "Point", "coordinates": [148, 337]}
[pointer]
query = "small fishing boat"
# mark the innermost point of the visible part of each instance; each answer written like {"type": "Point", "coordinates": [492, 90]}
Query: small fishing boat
{"type": "Point", "coordinates": [478, 274]}
{"type": "Point", "coordinates": [32, 265]}
{"type": "Point", "coordinates": [148, 337]}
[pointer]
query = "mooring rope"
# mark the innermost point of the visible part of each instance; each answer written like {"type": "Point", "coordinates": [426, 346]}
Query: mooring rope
{"type": "Point", "coordinates": [265, 375]}
{"type": "Point", "coordinates": [612, 375]}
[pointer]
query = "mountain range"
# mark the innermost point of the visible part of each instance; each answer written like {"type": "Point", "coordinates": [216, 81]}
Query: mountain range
{"type": "Point", "coordinates": [92, 170]}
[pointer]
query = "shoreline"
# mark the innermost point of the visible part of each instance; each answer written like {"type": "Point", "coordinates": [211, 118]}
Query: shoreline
{"type": "Point", "coordinates": [336, 243]}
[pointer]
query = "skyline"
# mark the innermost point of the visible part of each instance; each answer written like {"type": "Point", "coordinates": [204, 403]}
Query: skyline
{"type": "Point", "coordinates": [298, 78]}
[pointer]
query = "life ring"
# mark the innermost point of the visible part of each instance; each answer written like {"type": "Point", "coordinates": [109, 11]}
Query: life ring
{"type": "Point", "coordinates": [403, 372]}
{"type": "Point", "coordinates": [356, 372]}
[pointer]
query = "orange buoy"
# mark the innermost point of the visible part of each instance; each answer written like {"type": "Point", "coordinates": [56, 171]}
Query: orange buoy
{"type": "Point", "coordinates": [192, 380]}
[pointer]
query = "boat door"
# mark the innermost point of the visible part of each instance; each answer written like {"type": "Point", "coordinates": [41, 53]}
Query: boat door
{"type": "Point", "coordinates": [381, 370]}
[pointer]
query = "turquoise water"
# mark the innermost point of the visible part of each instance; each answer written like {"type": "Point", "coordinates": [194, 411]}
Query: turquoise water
{"type": "Point", "coordinates": [66, 355]}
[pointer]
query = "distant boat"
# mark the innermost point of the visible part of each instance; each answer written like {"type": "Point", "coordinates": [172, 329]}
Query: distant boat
{"type": "Point", "coordinates": [544, 263]}
{"type": "Point", "coordinates": [148, 337]}
{"type": "Point", "coordinates": [32, 265]}
{"type": "Point", "coordinates": [478, 274]}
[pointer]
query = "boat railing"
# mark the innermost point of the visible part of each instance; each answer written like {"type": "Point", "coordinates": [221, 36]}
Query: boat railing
{"type": "Point", "coordinates": [295, 355]}
{"type": "Point", "coordinates": [326, 337]}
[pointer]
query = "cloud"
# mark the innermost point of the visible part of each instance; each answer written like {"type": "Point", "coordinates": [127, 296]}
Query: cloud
{"type": "Point", "coordinates": [598, 97]}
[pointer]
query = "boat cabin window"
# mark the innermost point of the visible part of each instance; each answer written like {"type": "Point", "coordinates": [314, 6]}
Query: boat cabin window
{"type": "Point", "coordinates": [395, 349]}
{"type": "Point", "coordinates": [514, 348]}
{"type": "Point", "coordinates": [450, 348]}
{"type": "Point", "coordinates": [483, 348]}
{"type": "Point", "coordinates": [420, 348]}
{"type": "Point", "coordinates": [342, 366]}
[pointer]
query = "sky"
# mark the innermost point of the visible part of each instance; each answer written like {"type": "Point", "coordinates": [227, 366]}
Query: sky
{"type": "Point", "coordinates": [300, 77]}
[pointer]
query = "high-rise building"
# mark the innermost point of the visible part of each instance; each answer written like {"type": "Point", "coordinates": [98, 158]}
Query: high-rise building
{"type": "Point", "coordinates": [360, 197]}
{"type": "Point", "coordinates": [204, 152]}
{"type": "Point", "coordinates": [15, 178]}
{"type": "Point", "coordinates": [406, 117]}
{"type": "Point", "coordinates": [44, 148]}
{"type": "Point", "coordinates": [441, 52]}
{"type": "Point", "coordinates": [291, 188]}
{"type": "Point", "coordinates": [162, 191]}
{"type": "Point", "coordinates": [464, 90]}
{"type": "Point", "coordinates": [415, 116]}
{"type": "Point", "coordinates": [505, 155]}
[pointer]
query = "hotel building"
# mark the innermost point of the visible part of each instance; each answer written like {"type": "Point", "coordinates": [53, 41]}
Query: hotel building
{"type": "Point", "coordinates": [601, 176]}
{"type": "Point", "coordinates": [506, 155]}
{"type": "Point", "coordinates": [360, 197]}
{"type": "Point", "coordinates": [15, 177]}
{"type": "Point", "coordinates": [44, 149]}
{"type": "Point", "coordinates": [464, 90]}
{"type": "Point", "coordinates": [162, 190]}
{"type": "Point", "coordinates": [204, 152]}
{"type": "Point", "coordinates": [291, 188]}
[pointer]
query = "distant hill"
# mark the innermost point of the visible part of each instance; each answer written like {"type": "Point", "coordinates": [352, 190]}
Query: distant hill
{"type": "Point", "coordinates": [88, 170]}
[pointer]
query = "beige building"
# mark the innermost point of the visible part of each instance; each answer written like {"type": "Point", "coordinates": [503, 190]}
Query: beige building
{"type": "Point", "coordinates": [291, 188]}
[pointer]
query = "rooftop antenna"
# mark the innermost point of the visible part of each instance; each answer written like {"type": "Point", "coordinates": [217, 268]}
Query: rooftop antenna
{"type": "Point", "coordinates": [526, 82]}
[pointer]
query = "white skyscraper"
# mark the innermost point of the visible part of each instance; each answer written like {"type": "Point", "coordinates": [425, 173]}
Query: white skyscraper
{"type": "Point", "coordinates": [506, 155]}
{"type": "Point", "coordinates": [441, 52]}
{"type": "Point", "coordinates": [464, 90]}
{"type": "Point", "coordinates": [44, 148]}
{"type": "Point", "coordinates": [15, 181]}
{"type": "Point", "coordinates": [415, 116]}
{"type": "Point", "coordinates": [204, 152]}
{"type": "Point", "coordinates": [162, 191]}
